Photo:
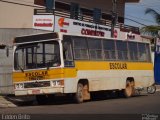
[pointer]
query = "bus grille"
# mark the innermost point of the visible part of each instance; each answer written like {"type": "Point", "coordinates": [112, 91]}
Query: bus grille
{"type": "Point", "coordinates": [37, 84]}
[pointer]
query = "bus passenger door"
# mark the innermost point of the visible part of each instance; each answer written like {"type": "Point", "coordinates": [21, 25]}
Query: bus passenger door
{"type": "Point", "coordinates": [67, 52]}
{"type": "Point", "coordinates": [70, 72]}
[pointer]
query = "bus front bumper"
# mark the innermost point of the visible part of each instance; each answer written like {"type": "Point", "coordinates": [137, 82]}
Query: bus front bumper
{"type": "Point", "coordinates": [38, 91]}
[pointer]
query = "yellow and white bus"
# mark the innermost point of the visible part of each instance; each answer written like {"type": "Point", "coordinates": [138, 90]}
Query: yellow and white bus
{"type": "Point", "coordinates": [55, 63]}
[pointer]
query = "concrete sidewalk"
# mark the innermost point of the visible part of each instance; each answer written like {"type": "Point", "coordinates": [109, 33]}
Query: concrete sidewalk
{"type": "Point", "coordinates": [15, 101]}
{"type": "Point", "coordinates": [4, 102]}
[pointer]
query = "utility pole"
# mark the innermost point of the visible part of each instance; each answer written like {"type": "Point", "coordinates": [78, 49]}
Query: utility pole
{"type": "Point", "coordinates": [114, 16]}
{"type": "Point", "coordinates": [50, 7]}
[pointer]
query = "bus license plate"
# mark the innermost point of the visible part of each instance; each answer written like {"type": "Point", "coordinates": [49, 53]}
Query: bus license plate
{"type": "Point", "coordinates": [35, 91]}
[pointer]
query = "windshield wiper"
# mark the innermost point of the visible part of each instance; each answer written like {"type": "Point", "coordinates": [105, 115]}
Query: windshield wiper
{"type": "Point", "coordinates": [20, 68]}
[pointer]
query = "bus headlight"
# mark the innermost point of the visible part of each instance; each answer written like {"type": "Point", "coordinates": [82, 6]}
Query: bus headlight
{"type": "Point", "coordinates": [19, 86]}
{"type": "Point", "coordinates": [58, 83]}
{"type": "Point", "coordinates": [16, 86]}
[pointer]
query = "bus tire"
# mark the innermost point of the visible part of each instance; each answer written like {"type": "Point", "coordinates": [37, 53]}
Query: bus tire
{"type": "Point", "coordinates": [79, 94]}
{"type": "Point", "coordinates": [133, 88]}
{"type": "Point", "coordinates": [129, 90]}
{"type": "Point", "coordinates": [41, 99]}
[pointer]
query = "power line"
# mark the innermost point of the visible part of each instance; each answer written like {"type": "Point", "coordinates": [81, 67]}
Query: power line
{"type": "Point", "coordinates": [135, 21]}
{"type": "Point", "coordinates": [156, 7]}
{"type": "Point", "coordinates": [148, 6]}
{"type": "Point", "coordinates": [140, 18]}
{"type": "Point", "coordinates": [23, 1]}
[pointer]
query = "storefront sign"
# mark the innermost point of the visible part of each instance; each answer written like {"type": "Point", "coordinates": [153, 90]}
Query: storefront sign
{"type": "Point", "coordinates": [76, 27]}
{"type": "Point", "coordinates": [71, 26]}
{"type": "Point", "coordinates": [43, 22]}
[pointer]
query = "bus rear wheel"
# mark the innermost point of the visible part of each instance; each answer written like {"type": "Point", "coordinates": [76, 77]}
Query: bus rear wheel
{"type": "Point", "coordinates": [129, 90]}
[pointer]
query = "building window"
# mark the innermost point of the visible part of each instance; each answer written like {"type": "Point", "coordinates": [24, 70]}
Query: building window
{"type": "Point", "coordinates": [75, 11]}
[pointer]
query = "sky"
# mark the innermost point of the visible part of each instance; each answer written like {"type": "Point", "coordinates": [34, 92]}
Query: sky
{"type": "Point", "coordinates": [136, 11]}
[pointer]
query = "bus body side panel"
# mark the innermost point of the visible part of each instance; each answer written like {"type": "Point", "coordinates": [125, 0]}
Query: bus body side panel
{"type": "Point", "coordinates": [113, 75]}
{"type": "Point", "coordinates": [101, 76]}
{"type": "Point", "coordinates": [110, 80]}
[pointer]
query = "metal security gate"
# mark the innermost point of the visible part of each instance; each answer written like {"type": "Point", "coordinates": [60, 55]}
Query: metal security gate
{"type": "Point", "coordinates": [157, 68]}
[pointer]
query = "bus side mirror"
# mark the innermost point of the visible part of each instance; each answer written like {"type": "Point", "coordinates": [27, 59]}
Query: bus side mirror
{"type": "Point", "coordinates": [2, 46]}
{"type": "Point", "coordinates": [5, 48]}
{"type": "Point", "coordinates": [7, 51]}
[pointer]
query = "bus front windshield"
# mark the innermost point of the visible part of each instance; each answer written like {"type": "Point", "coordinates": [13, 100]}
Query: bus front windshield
{"type": "Point", "coordinates": [37, 55]}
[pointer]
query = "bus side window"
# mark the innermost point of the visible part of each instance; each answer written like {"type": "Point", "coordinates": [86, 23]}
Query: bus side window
{"type": "Point", "coordinates": [148, 53]}
{"type": "Point", "coordinates": [133, 51]}
{"type": "Point", "coordinates": [67, 53]}
{"type": "Point", "coordinates": [122, 50]}
{"type": "Point", "coordinates": [142, 52]}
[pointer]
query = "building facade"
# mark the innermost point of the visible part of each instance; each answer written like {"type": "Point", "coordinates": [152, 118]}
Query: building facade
{"type": "Point", "coordinates": [17, 16]}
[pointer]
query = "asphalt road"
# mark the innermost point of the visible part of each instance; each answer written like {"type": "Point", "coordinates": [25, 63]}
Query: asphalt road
{"type": "Point", "coordinates": [138, 105]}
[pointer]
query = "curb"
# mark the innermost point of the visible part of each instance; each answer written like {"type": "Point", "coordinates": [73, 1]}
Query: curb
{"type": "Point", "coordinates": [157, 90]}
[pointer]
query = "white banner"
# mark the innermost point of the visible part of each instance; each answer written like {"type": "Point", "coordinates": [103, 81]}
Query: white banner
{"type": "Point", "coordinates": [43, 22]}
{"type": "Point", "coordinates": [77, 27]}
{"type": "Point", "coordinates": [73, 27]}
{"type": "Point", "coordinates": [70, 26]}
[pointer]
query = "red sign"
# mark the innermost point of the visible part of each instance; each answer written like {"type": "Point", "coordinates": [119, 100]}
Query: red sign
{"type": "Point", "coordinates": [43, 24]}
{"type": "Point", "coordinates": [115, 34]}
{"type": "Point", "coordinates": [92, 32]}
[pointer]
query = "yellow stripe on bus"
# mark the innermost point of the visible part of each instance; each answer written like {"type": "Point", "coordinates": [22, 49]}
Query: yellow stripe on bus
{"type": "Point", "coordinates": [79, 65]}
{"type": "Point", "coordinates": [102, 65]}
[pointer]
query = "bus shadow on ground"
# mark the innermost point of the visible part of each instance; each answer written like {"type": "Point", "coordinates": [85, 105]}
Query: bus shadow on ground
{"type": "Point", "coordinates": [61, 100]}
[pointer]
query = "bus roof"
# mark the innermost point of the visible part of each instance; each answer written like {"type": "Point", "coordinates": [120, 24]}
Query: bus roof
{"type": "Point", "coordinates": [55, 35]}
{"type": "Point", "coordinates": [35, 37]}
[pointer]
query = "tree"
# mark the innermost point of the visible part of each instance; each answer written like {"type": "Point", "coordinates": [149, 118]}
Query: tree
{"type": "Point", "coordinates": [152, 29]}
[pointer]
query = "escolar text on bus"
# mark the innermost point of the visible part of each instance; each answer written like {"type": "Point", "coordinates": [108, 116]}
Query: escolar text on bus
{"type": "Point", "coordinates": [33, 74]}
{"type": "Point", "coordinates": [118, 65]}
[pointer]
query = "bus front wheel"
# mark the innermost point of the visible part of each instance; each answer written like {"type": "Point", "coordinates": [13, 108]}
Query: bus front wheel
{"type": "Point", "coordinates": [79, 94]}
{"type": "Point", "coordinates": [41, 99]}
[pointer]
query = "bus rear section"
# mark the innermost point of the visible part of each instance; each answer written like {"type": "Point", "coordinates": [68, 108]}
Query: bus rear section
{"type": "Point", "coordinates": [53, 63]}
